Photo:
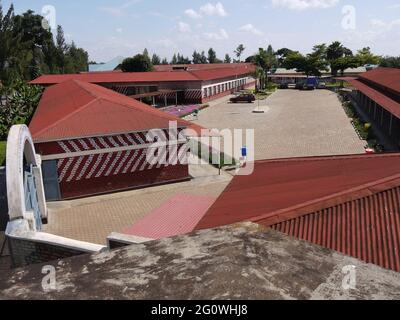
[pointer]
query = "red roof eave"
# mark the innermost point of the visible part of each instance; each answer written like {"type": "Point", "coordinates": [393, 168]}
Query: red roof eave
{"type": "Point", "coordinates": [385, 102]}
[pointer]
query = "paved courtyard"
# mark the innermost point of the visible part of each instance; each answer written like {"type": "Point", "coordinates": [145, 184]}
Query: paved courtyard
{"type": "Point", "coordinates": [93, 219]}
{"type": "Point", "coordinates": [295, 123]}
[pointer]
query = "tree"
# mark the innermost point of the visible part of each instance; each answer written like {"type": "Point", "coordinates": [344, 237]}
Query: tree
{"type": "Point", "coordinates": [139, 63]}
{"type": "Point", "coordinates": [21, 103]}
{"type": "Point", "coordinates": [203, 58]}
{"type": "Point", "coordinates": [335, 52]}
{"type": "Point", "coordinates": [390, 62]}
{"type": "Point", "coordinates": [199, 58]}
{"type": "Point", "coordinates": [155, 60]}
{"type": "Point", "coordinates": [265, 60]}
{"type": "Point", "coordinates": [239, 51]}
{"type": "Point", "coordinates": [212, 56]}
{"type": "Point", "coordinates": [344, 63]}
{"type": "Point", "coordinates": [76, 59]}
{"type": "Point", "coordinates": [174, 59]}
{"type": "Point", "coordinates": [310, 64]}
{"type": "Point", "coordinates": [227, 59]}
{"type": "Point", "coordinates": [365, 56]}
{"type": "Point", "coordinates": [164, 61]}
{"type": "Point", "coordinates": [282, 54]}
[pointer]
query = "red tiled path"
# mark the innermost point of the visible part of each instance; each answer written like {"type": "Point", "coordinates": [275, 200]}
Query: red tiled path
{"type": "Point", "coordinates": [179, 215]}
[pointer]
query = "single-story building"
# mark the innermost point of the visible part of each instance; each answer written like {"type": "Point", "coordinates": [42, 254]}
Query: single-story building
{"type": "Point", "coordinates": [93, 140]}
{"type": "Point", "coordinates": [195, 85]}
{"type": "Point", "coordinates": [292, 76]}
{"type": "Point", "coordinates": [349, 204]}
{"type": "Point", "coordinates": [377, 92]}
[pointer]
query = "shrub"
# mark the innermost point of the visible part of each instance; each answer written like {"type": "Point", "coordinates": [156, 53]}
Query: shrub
{"type": "Point", "coordinates": [20, 104]}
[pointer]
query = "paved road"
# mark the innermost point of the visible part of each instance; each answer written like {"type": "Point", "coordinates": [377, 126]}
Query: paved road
{"type": "Point", "coordinates": [296, 123]}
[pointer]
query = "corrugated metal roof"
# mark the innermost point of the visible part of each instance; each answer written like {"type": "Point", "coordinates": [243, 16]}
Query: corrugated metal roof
{"type": "Point", "coordinates": [143, 77]}
{"type": "Point", "coordinates": [367, 229]}
{"type": "Point", "coordinates": [349, 203]}
{"type": "Point", "coordinates": [385, 77]}
{"type": "Point", "coordinates": [116, 77]}
{"type": "Point", "coordinates": [384, 101]}
{"type": "Point", "coordinates": [77, 109]}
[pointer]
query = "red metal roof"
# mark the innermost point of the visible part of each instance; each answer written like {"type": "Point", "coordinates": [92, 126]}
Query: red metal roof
{"type": "Point", "coordinates": [385, 77]}
{"type": "Point", "coordinates": [143, 77]}
{"type": "Point", "coordinates": [347, 203]}
{"type": "Point", "coordinates": [384, 101]}
{"type": "Point", "coordinates": [77, 109]}
{"type": "Point", "coordinates": [116, 77]}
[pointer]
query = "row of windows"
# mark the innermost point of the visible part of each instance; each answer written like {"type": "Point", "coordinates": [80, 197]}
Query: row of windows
{"type": "Point", "coordinates": [219, 88]}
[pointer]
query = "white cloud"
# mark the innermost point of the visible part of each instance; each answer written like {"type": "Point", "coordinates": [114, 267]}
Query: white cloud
{"type": "Point", "coordinates": [249, 28]}
{"type": "Point", "coordinates": [119, 30]}
{"type": "Point", "coordinates": [304, 4]}
{"type": "Point", "coordinates": [213, 10]}
{"type": "Point", "coordinates": [184, 27]}
{"type": "Point", "coordinates": [221, 35]}
{"type": "Point", "coordinates": [192, 14]}
{"type": "Point", "coordinates": [209, 10]}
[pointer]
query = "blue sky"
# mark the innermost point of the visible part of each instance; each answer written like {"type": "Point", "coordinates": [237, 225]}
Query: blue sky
{"type": "Point", "coordinates": [124, 27]}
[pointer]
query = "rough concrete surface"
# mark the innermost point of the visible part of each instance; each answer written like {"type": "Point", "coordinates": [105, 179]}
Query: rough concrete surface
{"type": "Point", "coordinates": [244, 261]}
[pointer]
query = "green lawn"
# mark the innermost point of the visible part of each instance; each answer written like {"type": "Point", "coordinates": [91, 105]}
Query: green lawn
{"type": "Point", "coordinates": [2, 152]}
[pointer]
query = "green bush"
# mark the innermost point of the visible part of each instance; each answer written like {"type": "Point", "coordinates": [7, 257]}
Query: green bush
{"type": "Point", "coordinates": [3, 146]}
{"type": "Point", "coordinates": [19, 106]}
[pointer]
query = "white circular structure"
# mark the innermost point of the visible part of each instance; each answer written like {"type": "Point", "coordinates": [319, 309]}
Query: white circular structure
{"type": "Point", "coordinates": [21, 154]}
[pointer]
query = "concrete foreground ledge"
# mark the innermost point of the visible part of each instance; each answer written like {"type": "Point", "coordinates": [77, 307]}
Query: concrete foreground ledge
{"type": "Point", "coordinates": [243, 261]}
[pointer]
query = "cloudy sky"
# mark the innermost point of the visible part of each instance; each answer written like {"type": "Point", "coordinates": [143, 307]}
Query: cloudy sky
{"type": "Point", "coordinates": [108, 28]}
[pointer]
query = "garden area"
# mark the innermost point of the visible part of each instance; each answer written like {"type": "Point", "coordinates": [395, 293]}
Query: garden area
{"type": "Point", "coordinates": [363, 129]}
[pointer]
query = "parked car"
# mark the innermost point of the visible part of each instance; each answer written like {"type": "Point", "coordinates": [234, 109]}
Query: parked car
{"type": "Point", "coordinates": [311, 83]}
{"type": "Point", "coordinates": [300, 86]}
{"type": "Point", "coordinates": [321, 85]}
{"type": "Point", "coordinates": [284, 86]}
{"type": "Point", "coordinates": [245, 97]}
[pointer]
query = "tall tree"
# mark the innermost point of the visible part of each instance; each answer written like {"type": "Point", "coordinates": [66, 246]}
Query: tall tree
{"type": "Point", "coordinates": [174, 59]}
{"type": "Point", "coordinates": [155, 60]}
{"type": "Point", "coordinates": [390, 62]}
{"type": "Point", "coordinates": [282, 54]}
{"type": "Point", "coordinates": [196, 57]}
{"type": "Point", "coordinates": [365, 56]}
{"type": "Point", "coordinates": [212, 56]}
{"type": "Point", "coordinates": [164, 61]}
{"type": "Point", "coordinates": [139, 63]}
{"type": "Point", "coordinates": [227, 59]}
{"type": "Point", "coordinates": [239, 51]}
{"type": "Point", "coordinates": [335, 54]}
{"type": "Point", "coordinates": [61, 48]}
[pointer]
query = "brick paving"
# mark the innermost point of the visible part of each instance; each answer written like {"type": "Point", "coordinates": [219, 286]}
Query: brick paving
{"type": "Point", "coordinates": [296, 123]}
{"type": "Point", "coordinates": [93, 219]}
